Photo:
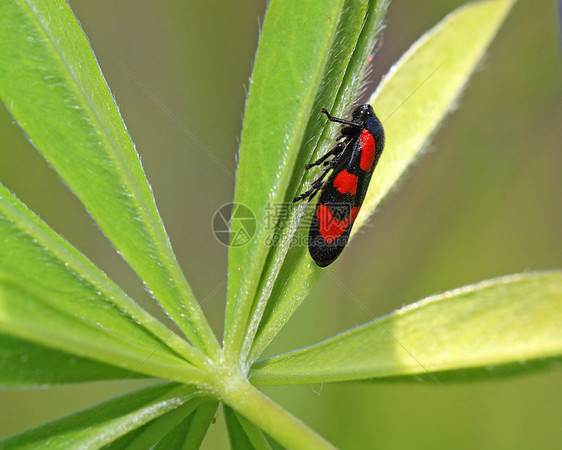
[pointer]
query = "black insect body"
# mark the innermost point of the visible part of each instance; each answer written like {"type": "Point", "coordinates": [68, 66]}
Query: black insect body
{"type": "Point", "coordinates": [355, 157]}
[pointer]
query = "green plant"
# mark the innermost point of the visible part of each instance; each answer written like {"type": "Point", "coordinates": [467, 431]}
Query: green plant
{"type": "Point", "coordinates": [75, 325]}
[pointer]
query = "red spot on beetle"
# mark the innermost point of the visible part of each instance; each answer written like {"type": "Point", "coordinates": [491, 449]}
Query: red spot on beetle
{"type": "Point", "coordinates": [330, 227]}
{"type": "Point", "coordinates": [346, 182]}
{"type": "Point", "coordinates": [367, 142]}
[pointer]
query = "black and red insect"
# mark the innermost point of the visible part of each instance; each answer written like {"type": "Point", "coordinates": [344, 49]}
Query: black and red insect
{"type": "Point", "coordinates": [355, 157]}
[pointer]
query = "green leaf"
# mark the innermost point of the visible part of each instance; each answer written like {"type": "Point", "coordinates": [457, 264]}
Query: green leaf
{"type": "Point", "coordinates": [511, 321]}
{"type": "Point", "coordinates": [198, 424]}
{"type": "Point", "coordinates": [291, 59]}
{"type": "Point", "coordinates": [108, 422]}
{"type": "Point", "coordinates": [164, 430]}
{"type": "Point", "coordinates": [51, 83]}
{"type": "Point", "coordinates": [236, 434]}
{"type": "Point", "coordinates": [62, 330]}
{"type": "Point", "coordinates": [411, 101]}
{"type": "Point", "coordinates": [243, 433]}
{"type": "Point", "coordinates": [181, 428]}
{"type": "Point", "coordinates": [50, 294]}
{"type": "Point", "coordinates": [305, 61]}
{"type": "Point", "coordinates": [24, 364]}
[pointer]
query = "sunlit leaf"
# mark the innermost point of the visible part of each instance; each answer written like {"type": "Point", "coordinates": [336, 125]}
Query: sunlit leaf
{"type": "Point", "coordinates": [512, 321]}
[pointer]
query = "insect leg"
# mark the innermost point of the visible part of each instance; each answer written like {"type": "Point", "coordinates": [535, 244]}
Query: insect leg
{"type": "Point", "coordinates": [314, 187]}
{"type": "Point", "coordinates": [334, 152]}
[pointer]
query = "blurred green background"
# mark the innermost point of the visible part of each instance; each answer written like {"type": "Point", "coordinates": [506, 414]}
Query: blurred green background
{"type": "Point", "coordinates": [484, 201]}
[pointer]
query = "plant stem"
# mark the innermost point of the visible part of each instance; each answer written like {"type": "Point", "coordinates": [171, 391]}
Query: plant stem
{"type": "Point", "coordinates": [286, 429]}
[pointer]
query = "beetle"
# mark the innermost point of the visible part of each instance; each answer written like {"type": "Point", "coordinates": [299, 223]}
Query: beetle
{"type": "Point", "coordinates": [355, 157]}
